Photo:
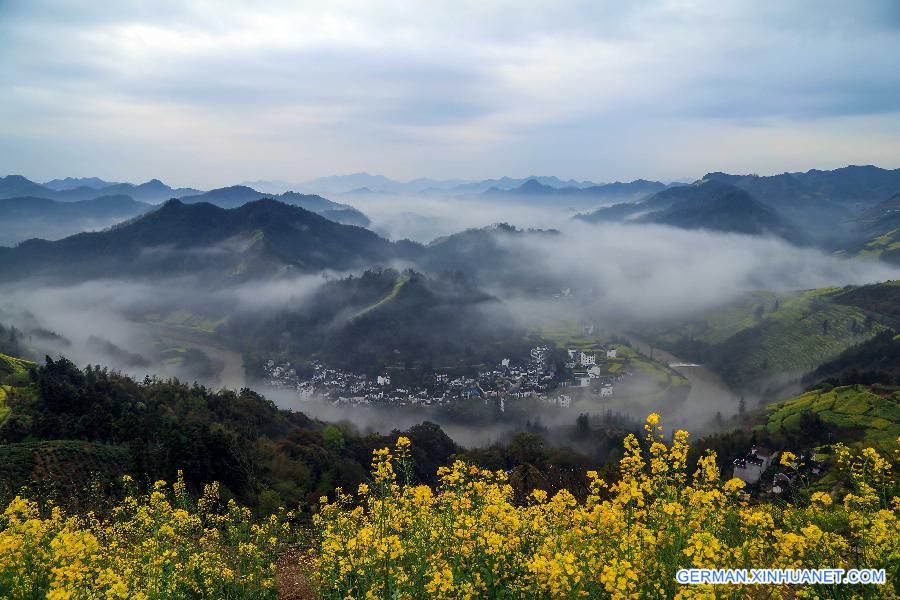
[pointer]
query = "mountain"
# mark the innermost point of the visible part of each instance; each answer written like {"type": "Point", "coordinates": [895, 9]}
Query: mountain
{"type": "Point", "coordinates": [70, 183]}
{"type": "Point", "coordinates": [578, 196]}
{"type": "Point", "coordinates": [823, 201]}
{"type": "Point", "coordinates": [238, 195]}
{"type": "Point", "coordinates": [496, 254]}
{"type": "Point", "coordinates": [29, 217]}
{"type": "Point", "coordinates": [13, 186]}
{"type": "Point", "coordinates": [764, 338]}
{"type": "Point", "coordinates": [260, 238]}
{"type": "Point", "coordinates": [153, 191]}
{"type": "Point", "coordinates": [344, 183]}
{"type": "Point", "coordinates": [404, 320]}
{"type": "Point", "coordinates": [266, 186]}
{"type": "Point", "coordinates": [707, 204]}
{"type": "Point", "coordinates": [720, 207]}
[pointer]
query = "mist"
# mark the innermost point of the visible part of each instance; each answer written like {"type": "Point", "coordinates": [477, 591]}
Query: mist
{"type": "Point", "coordinates": [617, 277]}
{"type": "Point", "coordinates": [648, 272]}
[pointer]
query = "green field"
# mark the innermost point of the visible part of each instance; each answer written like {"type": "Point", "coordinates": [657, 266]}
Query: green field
{"type": "Point", "coordinates": [763, 334]}
{"type": "Point", "coordinates": [184, 319]}
{"type": "Point", "coordinates": [70, 465]}
{"type": "Point", "coordinates": [874, 412]}
{"type": "Point", "coordinates": [881, 247]}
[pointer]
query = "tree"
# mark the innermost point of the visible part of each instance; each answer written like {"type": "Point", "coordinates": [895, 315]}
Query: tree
{"type": "Point", "coordinates": [582, 425]}
{"type": "Point", "coordinates": [334, 438]}
{"type": "Point", "coordinates": [742, 406]}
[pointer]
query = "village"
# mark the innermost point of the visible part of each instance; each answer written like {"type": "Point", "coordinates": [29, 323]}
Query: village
{"type": "Point", "coordinates": [583, 376]}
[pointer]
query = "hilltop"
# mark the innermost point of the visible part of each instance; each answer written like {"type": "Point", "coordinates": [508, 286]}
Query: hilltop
{"type": "Point", "coordinates": [386, 318]}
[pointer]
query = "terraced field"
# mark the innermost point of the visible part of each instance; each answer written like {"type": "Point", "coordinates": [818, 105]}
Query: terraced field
{"type": "Point", "coordinates": [185, 319]}
{"type": "Point", "coordinates": [873, 411]}
{"type": "Point", "coordinates": [13, 366]}
{"type": "Point", "coordinates": [72, 465]}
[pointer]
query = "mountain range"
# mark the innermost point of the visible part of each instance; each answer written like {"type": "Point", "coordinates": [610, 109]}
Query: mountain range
{"type": "Point", "coordinates": [153, 191]}
{"type": "Point", "coordinates": [27, 217]}
{"type": "Point", "coordinates": [264, 237]}
{"type": "Point", "coordinates": [707, 204]}
{"type": "Point", "coordinates": [533, 191]}
{"type": "Point", "coordinates": [238, 195]}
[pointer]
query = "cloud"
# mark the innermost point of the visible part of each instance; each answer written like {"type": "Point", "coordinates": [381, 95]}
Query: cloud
{"type": "Point", "coordinates": [205, 92]}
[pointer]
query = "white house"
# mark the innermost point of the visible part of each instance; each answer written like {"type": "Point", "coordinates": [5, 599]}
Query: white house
{"type": "Point", "coordinates": [588, 359]}
{"type": "Point", "coordinates": [383, 380]}
{"type": "Point", "coordinates": [751, 467]}
{"type": "Point", "coordinates": [611, 353]}
{"type": "Point", "coordinates": [564, 401]}
{"type": "Point", "coordinates": [606, 391]}
{"type": "Point", "coordinates": [304, 391]}
{"type": "Point", "coordinates": [595, 371]}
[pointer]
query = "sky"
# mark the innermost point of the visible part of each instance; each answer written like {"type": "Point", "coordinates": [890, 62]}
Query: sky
{"type": "Point", "coordinates": [212, 92]}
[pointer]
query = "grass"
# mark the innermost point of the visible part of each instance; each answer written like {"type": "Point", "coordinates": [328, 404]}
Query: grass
{"type": "Point", "coordinates": [4, 408]}
{"type": "Point", "coordinates": [875, 412]}
{"type": "Point", "coordinates": [10, 365]}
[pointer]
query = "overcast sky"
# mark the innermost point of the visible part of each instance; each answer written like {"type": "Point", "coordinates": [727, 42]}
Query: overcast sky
{"type": "Point", "coordinates": [209, 93]}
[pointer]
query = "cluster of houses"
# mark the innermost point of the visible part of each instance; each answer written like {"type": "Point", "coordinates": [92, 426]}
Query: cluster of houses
{"type": "Point", "coordinates": [754, 465]}
{"type": "Point", "coordinates": [589, 374]}
{"type": "Point", "coordinates": [505, 382]}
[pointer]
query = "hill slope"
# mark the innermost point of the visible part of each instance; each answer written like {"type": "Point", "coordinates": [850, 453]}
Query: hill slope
{"type": "Point", "coordinates": [765, 335]}
{"type": "Point", "coordinates": [871, 414]}
{"type": "Point", "coordinates": [385, 318]}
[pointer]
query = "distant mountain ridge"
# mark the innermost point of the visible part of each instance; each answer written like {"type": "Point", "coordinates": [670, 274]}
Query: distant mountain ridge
{"type": "Point", "coordinates": [707, 204]}
{"type": "Point", "coordinates": [238, 195]}
{"type": "Point", "coordinates": [261, 238]}
{"type": "Point", "coordinates": [70, 183]}
{"type": "Point", "coordinates": [29, 217]}
{"type": "Point", "coordinates": [153, 191]}
{"type": "Point", "coordinates": [587, 196]}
